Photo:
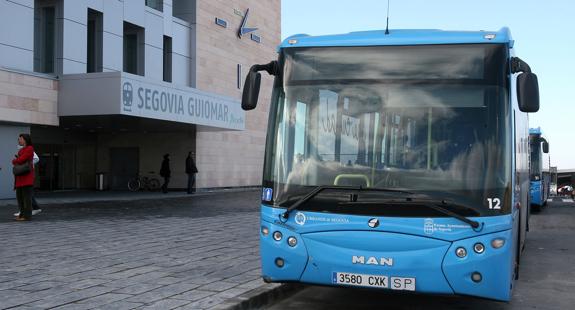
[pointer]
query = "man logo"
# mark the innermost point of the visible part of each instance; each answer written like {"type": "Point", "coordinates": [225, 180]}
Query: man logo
{"type": "Point", "coordinates": [300, 218]}
{"type": "Point", "coordinates": [373, 223]}
{"type": "Point", "coordinates": [127, 96]}
{"type": "Point", "coordinates": [372, 260]}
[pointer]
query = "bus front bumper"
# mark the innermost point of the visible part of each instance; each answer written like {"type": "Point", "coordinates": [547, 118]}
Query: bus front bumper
{"type": "Point", "coordinates": [395, 261]}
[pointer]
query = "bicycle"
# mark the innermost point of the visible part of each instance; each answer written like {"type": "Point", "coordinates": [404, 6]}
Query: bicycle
{"type": "Point", "coordinates": [149, 183]}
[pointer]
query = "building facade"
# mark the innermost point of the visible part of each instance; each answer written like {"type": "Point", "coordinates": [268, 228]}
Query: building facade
{"type": "Point", "coordinates": [107, 87]}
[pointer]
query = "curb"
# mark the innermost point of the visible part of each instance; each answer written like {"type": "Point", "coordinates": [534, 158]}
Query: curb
{"type": "Point", "coordinates": [11, 202]}
{"type": "Point", "coordinates": [260, 297]}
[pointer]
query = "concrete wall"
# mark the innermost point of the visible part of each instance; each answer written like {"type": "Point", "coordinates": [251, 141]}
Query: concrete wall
{"type": "Point", "coordinates": [28, 99]}
{"type": "Point", "coordinates": [8, 147]}
{"type": "Point", "coordinates": [234, 158]}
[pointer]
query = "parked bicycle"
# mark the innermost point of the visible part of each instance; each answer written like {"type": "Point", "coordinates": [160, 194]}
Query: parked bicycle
{"type": "Point", "coordinates": [149, 183]}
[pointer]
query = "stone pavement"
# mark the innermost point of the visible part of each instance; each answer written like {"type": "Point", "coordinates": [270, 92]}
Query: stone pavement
{"type": "Point", "coordinates": [178, 253]}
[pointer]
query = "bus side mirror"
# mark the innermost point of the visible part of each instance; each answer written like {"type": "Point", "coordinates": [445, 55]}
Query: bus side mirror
{"type": "Point", "coordinates": [251, 90]}
{"type": "Point", "coordinates": [545, 147]}
{"type": "Point", "coordinates": [528, 92]}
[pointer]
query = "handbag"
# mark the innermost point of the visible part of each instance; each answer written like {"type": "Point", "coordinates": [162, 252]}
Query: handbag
{"type": "Point", "coordinates": [22, 169]}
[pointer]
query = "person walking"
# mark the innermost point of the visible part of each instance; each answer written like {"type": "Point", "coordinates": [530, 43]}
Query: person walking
{"type": "Point", "coordinates": [191, 171]}
{"type": "Point", "coordinates": [24, 177]}
{"type": "Point", "coordinates": [35, 208]}
{"type": "Point", "coordinates": [165, 172]}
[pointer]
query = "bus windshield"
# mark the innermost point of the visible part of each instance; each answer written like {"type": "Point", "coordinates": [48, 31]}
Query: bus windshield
{"type": "Point", "coordinates": [430, 119]}
{"type": "Point", "coordinates": [536, 163]}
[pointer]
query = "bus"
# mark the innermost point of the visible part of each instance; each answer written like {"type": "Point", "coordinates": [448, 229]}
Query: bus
{"type": "Point", "coordinates": [539, 171]}
{"type": "Point", "coordinates": [396, 160]}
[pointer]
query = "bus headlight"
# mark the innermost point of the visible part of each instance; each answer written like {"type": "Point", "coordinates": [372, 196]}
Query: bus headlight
{"type": "Point", "coordinates": [279, 262]}
{"type": "Point", "coordinates": [292, 241]}
{"type": "Point", "coordinates": [478, 248]}
{"type": "Point", "coordinates": [497, 243]}
{"type": "Point", "coordinates": [277, 236]}
{"type": "Point", "coordinates": [461, 252]}
{"type": "Point", "coordinates": [265, 231]}
{"type": "Point", "coordinates": [476, 277]}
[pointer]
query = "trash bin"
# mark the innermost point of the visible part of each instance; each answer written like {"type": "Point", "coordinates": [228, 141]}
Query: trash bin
{"type": "Point", "coordinates": [100, 181]}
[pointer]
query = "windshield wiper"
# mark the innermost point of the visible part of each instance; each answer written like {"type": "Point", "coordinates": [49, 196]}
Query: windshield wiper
{"type": "Point", "coordinates": [435, 204]}
{"type": "Point", "coordinates": [318, 189]}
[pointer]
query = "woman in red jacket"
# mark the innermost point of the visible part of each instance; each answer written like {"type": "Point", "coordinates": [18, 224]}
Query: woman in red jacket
{"type": "Point", "coordinates": [23, 183]}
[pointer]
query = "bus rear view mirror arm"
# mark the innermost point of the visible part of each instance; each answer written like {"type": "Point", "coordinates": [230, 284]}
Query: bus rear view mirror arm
{"type": "Point", "coordinates": [252, 85]}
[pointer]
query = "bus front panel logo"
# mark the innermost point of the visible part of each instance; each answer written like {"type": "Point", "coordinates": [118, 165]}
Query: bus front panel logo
{"type": "Point", "coordinates": [373, 223]}
{"type": "Point", "coordinates": [300, 218]}
{"type": "Point", "coordinates": [372, 260]}
{"type": "Point", "coordinates": [428, 226]}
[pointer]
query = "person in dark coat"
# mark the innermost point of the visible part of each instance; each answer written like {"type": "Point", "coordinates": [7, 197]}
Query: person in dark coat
{"type": "Point", "coordinates": [23, 183]}
{"type": "Point", "coordinates": [191, 171]}
{"type": "Point", "coordinates": [165, 172]}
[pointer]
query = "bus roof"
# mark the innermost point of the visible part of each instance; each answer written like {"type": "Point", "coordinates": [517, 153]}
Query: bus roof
{"type": "Point", "coordinates": [399, 37]}
{"type": "Point", "coordinates": [535, 131]}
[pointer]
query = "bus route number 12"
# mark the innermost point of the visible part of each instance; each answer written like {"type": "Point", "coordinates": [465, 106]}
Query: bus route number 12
{"type": "Point", "coordinates": [494, 203]}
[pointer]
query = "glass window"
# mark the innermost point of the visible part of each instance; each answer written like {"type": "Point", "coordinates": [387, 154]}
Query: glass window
{"type": "Point", "coordinates": [94, 41]}
{"type": "Point", "coordinates": [133, 49]}
{"type": "Point", "coordinates": [44, 40]}
{"type": "Point", "coordinates": [167, 65]}
{"type": "Point", "coordinates": [536, 154]}
{"type": "Point", "coordinates": [156, 4]}
{"type": "Point", "coordinates": [441, 129]}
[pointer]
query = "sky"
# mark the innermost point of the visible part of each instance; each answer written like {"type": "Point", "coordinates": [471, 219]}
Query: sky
{"type": "Point", "coordinates": [544, 34]}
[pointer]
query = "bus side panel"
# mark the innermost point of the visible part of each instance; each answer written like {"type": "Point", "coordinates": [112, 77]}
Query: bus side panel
{"type": "Point", "coordinates": [537, 194]}
{"type": "Point", "coordinates": [521, 155]}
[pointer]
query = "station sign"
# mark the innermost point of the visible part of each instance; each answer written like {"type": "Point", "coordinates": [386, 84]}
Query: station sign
{"type": "Point", "coordinates": [153, 100]}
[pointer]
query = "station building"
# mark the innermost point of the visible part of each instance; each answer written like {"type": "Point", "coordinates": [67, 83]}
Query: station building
{"type": "Point", "coordinates": [110, 86]}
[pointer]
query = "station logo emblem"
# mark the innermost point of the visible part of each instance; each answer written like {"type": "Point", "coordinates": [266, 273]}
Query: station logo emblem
{"type": "Point", "coordinates": [127, 96]}
{"type": "Point", "coordinates": [300, 218]}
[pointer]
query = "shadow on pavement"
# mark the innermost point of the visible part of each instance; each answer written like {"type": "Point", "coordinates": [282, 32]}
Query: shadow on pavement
{"type": "Point", "coordinates": [199, 205]}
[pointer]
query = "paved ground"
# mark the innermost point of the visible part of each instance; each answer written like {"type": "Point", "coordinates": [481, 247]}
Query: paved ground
{"type": "Point", "coordinates": [547, 276]}
{"type": "Point", "coordinates": [184, 253]}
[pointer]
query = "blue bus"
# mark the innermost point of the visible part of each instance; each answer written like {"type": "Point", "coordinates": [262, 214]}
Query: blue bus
{"type": "Point", "coordinates": [396, 161]}
{"type": "Point", "coordinates": [539, 171]}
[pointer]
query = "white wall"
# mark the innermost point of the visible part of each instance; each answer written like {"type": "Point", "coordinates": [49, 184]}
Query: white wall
{"type": "Point", "coordinates": [156, 25]}
{"type": "Point", "coordinates": [17, 43]}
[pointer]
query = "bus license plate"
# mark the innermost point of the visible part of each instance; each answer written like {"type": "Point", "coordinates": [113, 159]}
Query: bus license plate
{"type": "Point", "coordinates": [377, 281]}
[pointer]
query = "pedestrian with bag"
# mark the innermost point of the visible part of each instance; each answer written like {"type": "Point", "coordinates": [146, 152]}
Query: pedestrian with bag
{"type": "Point", "coordinates": [191, 171]}
{"type": "Point", "coordinates": [35, 208]}
{"type": "Point", "coordinates": [24, 177]}
{"type": "Point", "coordinates": [165, 172]}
